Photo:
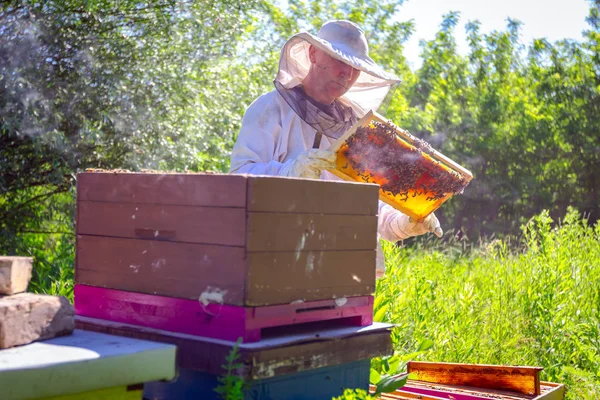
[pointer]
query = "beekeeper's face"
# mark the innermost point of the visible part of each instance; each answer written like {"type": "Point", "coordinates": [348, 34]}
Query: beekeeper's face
{"type": "Point", "coordinates": [334, 76]}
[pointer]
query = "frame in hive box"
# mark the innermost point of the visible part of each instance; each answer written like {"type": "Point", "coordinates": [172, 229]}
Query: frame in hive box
{"type": "Point", "coordinates": [435, 381]}
{"type": "Point", "coordinates": [230, 239]}
{"type": "Point", "coordinates": [413, 177]}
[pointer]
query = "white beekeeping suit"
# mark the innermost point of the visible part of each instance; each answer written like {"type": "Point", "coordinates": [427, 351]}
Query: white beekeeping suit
{"type": "Point", "coordinates": [283, 133]}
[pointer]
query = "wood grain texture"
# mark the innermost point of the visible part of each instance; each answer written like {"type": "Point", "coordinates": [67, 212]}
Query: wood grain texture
{"type": "Point", "coordinates": [548, 391]}
{"type": "Point", "coordinates": [258, 362]}
{"type": "Point", "coordinates": [403, 395]}
{"type": "Point", "coordinates": [291, 195]}
{"type": "Point", "coordinates": [188, 270]}
{"type": "Point", "coordinates": [265, 240]}
{"type": "Point", "coordinates": [551, 391]}
{"type": "Point", "coordinates": [179, 288]}
{"type": "Point", "coordinates": [277, 278]}
{"type": "Point", "coordinates": [218, 321]}
{"type": "Point", "coordinates": [436, 391]}
{"type": "Point", "coordinates": [217, 190]}
{"type": "Point", "coordinates": [524, 380]}
{"type": "Point", "coordinates": [209, 225]}
{"type": "Point", "coordinates": [170, 269]}
{"type": "Point", "coordinates": [304, 232]}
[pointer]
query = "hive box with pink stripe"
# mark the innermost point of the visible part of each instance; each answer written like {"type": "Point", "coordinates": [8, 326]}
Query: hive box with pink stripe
{"type": "Point", "coordinates": [224, 255]}
{"type": "Point", "coordinates": [213, 258]}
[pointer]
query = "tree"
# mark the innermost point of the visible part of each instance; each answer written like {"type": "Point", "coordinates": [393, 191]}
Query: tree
{"type": "Point", "coordinates": [103, 84]}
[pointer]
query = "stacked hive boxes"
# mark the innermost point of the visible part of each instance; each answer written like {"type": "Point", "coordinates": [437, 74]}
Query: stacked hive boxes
{"type": "Point", "coordinates": [201, 260]}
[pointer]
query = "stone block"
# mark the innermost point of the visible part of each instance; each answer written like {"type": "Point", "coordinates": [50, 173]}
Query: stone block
{"type": "Point", "coordinates": [28, 317]}
{"type": "Point", "coordinates": [15, 273]}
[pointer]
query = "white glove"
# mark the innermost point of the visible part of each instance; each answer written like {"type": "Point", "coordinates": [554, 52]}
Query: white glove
{"type": "Point", "coordinates": [405, 227]}
{"type": "Point", "coordinates": [310, 164]}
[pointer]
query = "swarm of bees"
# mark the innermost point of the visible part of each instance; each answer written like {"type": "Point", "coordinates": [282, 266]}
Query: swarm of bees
{"type": "Point", "coordinates": [377, 154]}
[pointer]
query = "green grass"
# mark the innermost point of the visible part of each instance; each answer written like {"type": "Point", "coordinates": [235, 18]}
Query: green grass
{"type": "Point", "coordinates": [49, 238]}
{"type": "Point", "coordinates": [54, 259]}
{"type": "Point", "coordinates": [537, 303]}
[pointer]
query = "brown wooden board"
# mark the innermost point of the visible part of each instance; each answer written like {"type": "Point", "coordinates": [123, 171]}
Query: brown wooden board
{"type": "Point", "coordinates": [524, 380]}
{"type": "Point", "coordinates": [311, 196]}
{"type": "Point", "coordinates": [400, 395]}
{"type": "Point", "coordinates": [175, 223]}
{"type": "Point", "coordinates": [171, 269]}
{"type": "Point", "coordinates": [187, 270]}
{"type": "Point", "coordinates": [262, 362]}
{"type": "Point", "coordinates": [291, 276]}
{"type": "Point", "coordinates": [227, 226]}
{"type": "Point", "coordinates": [304, 232]}
{"type": "Point", "coordinates": [548, 391]}
{"type": "Point", "coordinates": [179, 288]}
{"type": "Point", "coordinates": [149, 188]}
{"type": "Point", "coordinates": [296, 358]}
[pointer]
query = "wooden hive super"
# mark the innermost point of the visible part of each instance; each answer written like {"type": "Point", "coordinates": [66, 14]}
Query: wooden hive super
{"type": "Point", "coordinates": [232, 239]}
{"type": "Point", "coordinates": [436, 381]}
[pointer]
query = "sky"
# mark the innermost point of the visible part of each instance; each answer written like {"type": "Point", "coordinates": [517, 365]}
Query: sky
{"type": "Point", "coordinates": [552, 19]}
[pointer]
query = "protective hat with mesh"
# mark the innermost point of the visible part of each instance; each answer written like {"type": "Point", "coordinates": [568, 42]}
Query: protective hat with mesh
{"type": "Point", "coordinates": [345, 41]}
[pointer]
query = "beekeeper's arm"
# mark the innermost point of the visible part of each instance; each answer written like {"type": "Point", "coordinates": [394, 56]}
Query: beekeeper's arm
{"type": "Point", "coordinates": [394, 225]}
{"type": "Point", "coordinates": [255, 151]}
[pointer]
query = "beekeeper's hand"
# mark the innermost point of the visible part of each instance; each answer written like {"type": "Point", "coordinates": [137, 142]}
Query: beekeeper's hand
{"type": "Point", "coordinates": [405, 226]}
{"type": "Point", "coordinates": [310, 164]}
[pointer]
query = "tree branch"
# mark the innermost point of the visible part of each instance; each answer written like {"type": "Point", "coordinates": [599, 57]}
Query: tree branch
{"type": "Point", "coordinates": [59, 189]}
{"type": "Point", "coordinates": [49, 232]}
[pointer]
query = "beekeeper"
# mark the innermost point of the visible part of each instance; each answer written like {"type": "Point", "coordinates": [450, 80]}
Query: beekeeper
{"type": "Point", "coordinates": [324, 85]}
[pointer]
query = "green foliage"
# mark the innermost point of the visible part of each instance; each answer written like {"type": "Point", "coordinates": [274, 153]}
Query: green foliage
{"type": "Point", "coordinates": [534, 303]}
{"type": "Point", "coordinates": [231, 386]}
{"type": "Point", "coordinates": [387, 373]}
{"type": "Point", "coordinates": [396, 363]}
{"type": "Point", "coordinates": [356, 394]}
{"type": "Point", "coordinates": [522, 119]}
{"type": "Point", "coordinates": [164, 85]}
{"type": "Point", "coordinates": [106, 84]}
{"type": "Point", "coordinates": [390, 383]}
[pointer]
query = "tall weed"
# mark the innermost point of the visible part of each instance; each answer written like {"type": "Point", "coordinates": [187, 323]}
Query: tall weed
{"type": "Point", "coordinates": [536, 302]}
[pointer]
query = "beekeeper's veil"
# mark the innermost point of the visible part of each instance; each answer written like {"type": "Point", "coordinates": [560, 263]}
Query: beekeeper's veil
{"type": "Point", "coordinates": [345, 41]}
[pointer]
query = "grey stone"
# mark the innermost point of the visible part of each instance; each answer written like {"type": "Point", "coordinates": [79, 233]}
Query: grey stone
{"type": "Point", "coordinates": [28, 317]}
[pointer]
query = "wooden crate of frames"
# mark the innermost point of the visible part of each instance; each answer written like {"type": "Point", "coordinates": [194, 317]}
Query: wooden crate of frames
{"type": "Point", "coordinates": [230, 239]}
{"type": "Point", "coordinates": [456, 381]}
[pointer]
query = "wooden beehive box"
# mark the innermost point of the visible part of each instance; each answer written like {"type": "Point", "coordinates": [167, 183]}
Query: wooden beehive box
{"type": "Point", "coordinates": [231, 239]}
{"type": "Point", "coordinates": [455, 381]}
